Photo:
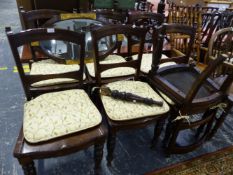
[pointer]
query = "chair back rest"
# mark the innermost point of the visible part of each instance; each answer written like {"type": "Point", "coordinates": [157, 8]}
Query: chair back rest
{"type": "Point", "coordinates": [99, 35]}
{"type": "Point", "coordinates": [36, 18]}
{"type": "Point", "coordinates": [209, 9]}
{"type": "Point", "coordinates": [19, 40]}
{"type": "Point", "coordinates": [191, 16]}
{"type": "Point", "coordinates": [210, 23]}
{"type": "Point", "coordinates": [145, 6]}
{"type": "Point", "coordinates": [168, 38]}
{"type": "Point", "coordinates": [226, 20]}
{"type": "Point", "coordinates": [111, 17]}
{"type": "Point", "coordinates": [217, 95]}
{"type": "Point", "coordinates": [146, 19]}
{"type": "Point", "coordinates": [221, 43]}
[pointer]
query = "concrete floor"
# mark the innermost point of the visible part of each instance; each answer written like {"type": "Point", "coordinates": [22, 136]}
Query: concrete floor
{"type": "Point", "coordinates": [133, 153]}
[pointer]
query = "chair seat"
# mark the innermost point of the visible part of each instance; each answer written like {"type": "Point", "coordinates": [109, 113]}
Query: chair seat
{"type": "Point", "coordinates": [49, 66]}
{"type": "Point", "coordinates": [187, 79]}
{"type": "Point", "coordinates": [56, 114]}
{"type": "Point", "coordinates": [120, 110]}
{"type": "Point", "coordinates": [122, 71]}
{"type": "Point", "coordinates": [147, 61]}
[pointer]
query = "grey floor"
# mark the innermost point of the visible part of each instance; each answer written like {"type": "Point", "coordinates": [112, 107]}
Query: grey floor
{"type": "Point", "coordinates": [133, 154]}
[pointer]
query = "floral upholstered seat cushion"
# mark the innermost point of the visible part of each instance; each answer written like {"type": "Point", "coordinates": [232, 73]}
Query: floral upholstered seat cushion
{"type": "Point", "coordinates": [49, 66]}
{"type": "Point", "coordinates": [120, 110]}
{"type": "Point", "coordinates": [147, 61]}
{"type": "Point", "coordinates": [57, 114]}
{"type": "Point", "coordinates": [121, 71]}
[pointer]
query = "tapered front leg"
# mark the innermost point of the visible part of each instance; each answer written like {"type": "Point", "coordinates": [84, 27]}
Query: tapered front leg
{"type": "Point", "coordinates": [157, 131]}
{"type": "Point", "coordinates": [29, 168]}
{"type": "Point", "coordinates": [98, 153]}
{"type": "Point", "coordinates": [111, 146]}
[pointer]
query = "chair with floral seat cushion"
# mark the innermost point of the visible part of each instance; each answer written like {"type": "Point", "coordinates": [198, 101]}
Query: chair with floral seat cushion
{"type": "Point", "coordinates": [56, 123]}
{"type": "Point", "coordinates": [48, 75]}
{"type": "Point", "coordinates": [165, 51]}
{"type": "Point", "coordinates": [120, 114]}
{"type": "Point", "coordinates": [195, 100]}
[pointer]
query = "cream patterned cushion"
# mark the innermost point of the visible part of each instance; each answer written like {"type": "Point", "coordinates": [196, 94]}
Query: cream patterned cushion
{"type": "Point", "coordinates": [49, 66]}
{"type": "Point", "coordinates": [57, 114]}
{"type": "Point", "coordinates": [120, 110]}
{"type": "Point", "coordinates": [147, 61]}
{"type": "Point", "coordinates": [121, 71]}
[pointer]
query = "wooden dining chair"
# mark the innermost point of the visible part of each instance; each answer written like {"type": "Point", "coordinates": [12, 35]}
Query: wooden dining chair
{"type": "Point", "coordinates": [146, 20]}
{"type": "Point", "coordinates": [168, 51]}
{"type": "Point", "coordinates": [111, 17]}
{"type": "Point", "coordinates": [191, 16]}
{"type": "Point", "coordinates": [52, 73]}
{"type": "Point", "coordinates": [60, 122]}
{"type": "Point", "coordinates": [124, 114]}
{"type": "Point", "coordinates": [210, 22]}
{"type": "Point", "coordinates": [194, 99]}
{"type": "Point", "coordinates": [36, 18]}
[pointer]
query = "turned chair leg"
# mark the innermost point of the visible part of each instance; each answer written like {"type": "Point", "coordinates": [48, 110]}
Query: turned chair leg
{"type": "Point", "coordinates": [110, 147]}
{"type": "Point", "coordinates": [27, 166]}
{"type": "Point", "coordinates": [98, 154]}
{"type": "Point", "coordinates": [157, 131]}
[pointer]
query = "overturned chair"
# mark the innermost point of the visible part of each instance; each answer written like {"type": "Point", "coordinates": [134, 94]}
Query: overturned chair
{"type": "Point", "coordinates": [195, 100]}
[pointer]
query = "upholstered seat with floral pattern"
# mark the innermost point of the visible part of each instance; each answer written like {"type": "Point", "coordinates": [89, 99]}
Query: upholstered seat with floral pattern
{"type": "Point", "coordinates": [49, 66]}
{"type": "Point", "coordinates": [56, 114]}
{"type": "Point", "coordinates": [120, 110]}
{"type": "Point", "coordinates": [122, 71]}
{"type": "Point", "coordinates": [147, 61]}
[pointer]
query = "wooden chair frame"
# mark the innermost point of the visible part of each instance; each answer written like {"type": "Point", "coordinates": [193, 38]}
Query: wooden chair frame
{"type": "Point", "coordinates": [116, 126]}
{"type": "Point", "coordinates": [27, 152]}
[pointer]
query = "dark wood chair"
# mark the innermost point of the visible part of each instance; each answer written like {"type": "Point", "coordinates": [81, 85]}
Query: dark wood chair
{"type": "Point", "coordinates": [209, 9]}
{"type": "Point", "coordinates": [111, 17]}
{"type": "Point", "coordinates": [52, 73]}
{"type": "Point", "coordinates": [174, 50]}
{"type": "Point", "coordinates": [50, 127]}
{"type": "Point", "coordinates": [210, 23]}
{"type": "Point", "coordinates": [178, 44]}
{"type": "Point", "coordinates": [121, 114]}
{"type": "Point", "coordinates": [146, 20]}
{"type": "Point", "coordinates": [192, 96]}
{"type": "Point", "coordinates": [144, 5]}
{"type": "Point", "coordinates": [36, 18]}
{"type": "Point", "coordinates": [221, 43]}
{"type": "Point", "coordinates": [191, 16]}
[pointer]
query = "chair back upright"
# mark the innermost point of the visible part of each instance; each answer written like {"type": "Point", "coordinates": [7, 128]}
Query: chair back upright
{"type": "Point", "coordinates": [221, 43]}
{"type": "Point", "coordinates": [111, 30]}
{"type": "Point", "coordinates": [18, 40]}
{"type": "Point", "coordinates": [168, 38]}
{"type": "Point", "coordinates": [36, 18]}
{"type": "Point", "coordinates": [149, 21]}
{"type": "Point", "coordinates": [191, 16]}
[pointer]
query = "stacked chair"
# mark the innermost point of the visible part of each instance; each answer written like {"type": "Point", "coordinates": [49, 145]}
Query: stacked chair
{"type": "Point", "coordinates": [194, 99]}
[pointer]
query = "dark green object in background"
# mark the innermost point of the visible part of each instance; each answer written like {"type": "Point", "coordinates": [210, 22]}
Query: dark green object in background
{"type": "Point", "coordinates": [125, 4]}
{"type": "Point", "coordinates": [103, 4]}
